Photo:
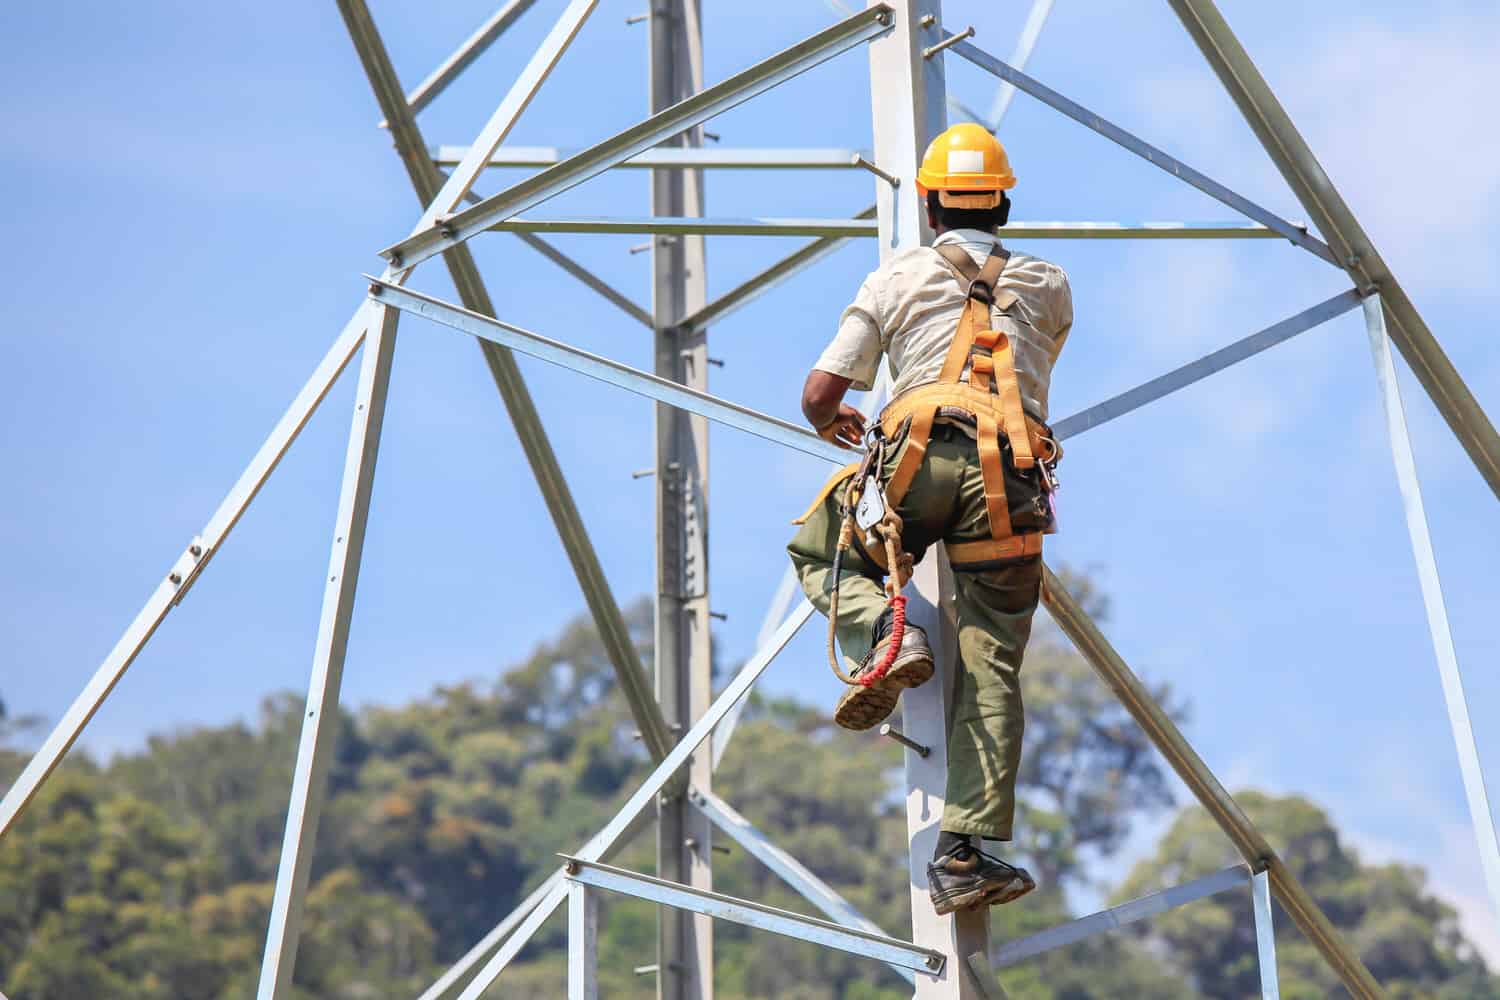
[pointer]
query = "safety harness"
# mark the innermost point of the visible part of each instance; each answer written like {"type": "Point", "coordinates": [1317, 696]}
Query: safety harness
{"type": "Point", "coordinates": [989, 401]}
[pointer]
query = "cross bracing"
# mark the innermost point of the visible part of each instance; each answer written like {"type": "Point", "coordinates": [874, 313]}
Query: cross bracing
{"type": "Point", "coordinates": [907, 44]}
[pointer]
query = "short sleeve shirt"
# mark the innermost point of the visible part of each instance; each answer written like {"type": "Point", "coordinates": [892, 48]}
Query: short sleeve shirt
{"type": "Point", "coordinates": [908, 310]}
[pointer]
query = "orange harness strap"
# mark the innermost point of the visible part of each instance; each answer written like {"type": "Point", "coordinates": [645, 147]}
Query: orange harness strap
{"type": "Point", "coordinates": [991, 397]}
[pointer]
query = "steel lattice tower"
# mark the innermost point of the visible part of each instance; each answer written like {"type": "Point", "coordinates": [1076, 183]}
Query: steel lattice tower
{"type": "Point", "coordinates": [683, 727]}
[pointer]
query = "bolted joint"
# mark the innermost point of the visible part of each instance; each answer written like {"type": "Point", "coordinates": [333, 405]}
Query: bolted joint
{"type": "Point", "coordinates": [886, 729]}
{"type": "Point", "coordinates": [949, 42]}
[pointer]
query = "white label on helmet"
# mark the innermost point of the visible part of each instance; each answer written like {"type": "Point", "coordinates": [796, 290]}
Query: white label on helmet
{"type": "Point", "coordinates": [965, 161]}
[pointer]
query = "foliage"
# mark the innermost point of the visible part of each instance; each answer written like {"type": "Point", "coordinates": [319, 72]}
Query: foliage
{"type": "Point", "coordinates": [1409, 940]}
{"type": "Point", "coordinates": [151, 875]}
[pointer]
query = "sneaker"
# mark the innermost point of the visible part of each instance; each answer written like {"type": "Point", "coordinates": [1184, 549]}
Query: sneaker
{"type": "Point", "coordinates": [862, 707]}
{"type": "Point", "coordinates": [966, 877]}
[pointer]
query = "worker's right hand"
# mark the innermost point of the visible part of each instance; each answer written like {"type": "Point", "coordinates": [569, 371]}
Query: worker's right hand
{"type": "Point", "coordinates": [845, 430]}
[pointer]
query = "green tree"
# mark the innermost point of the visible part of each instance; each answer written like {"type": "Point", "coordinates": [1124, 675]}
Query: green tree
{"type": "Point", "coordinates": [1409, 939]}
{"type": "Point", "coordinates": [1088, 772]}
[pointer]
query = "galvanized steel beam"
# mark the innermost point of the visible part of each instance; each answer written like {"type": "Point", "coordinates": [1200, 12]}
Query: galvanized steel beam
{"type": "Point", "coordinates": [1247, 839]}
{"type": "Point", "coordinates": [752, 288]}
{"type": "Point", "coordinates": [1143, 149]}
{"type": "Point", "coordinates": [837, 231]}
{"type": "Point", "coordinates": [583, 274]}
{"type": "Point", "coordinates": [605, 844]}
{"type": "Point", "coordinates": [697, 109]}
{"type": "Point", "coordinates": [1454, 699]}
{"type": "Point", "coordinates": [892, 951]}
{"type": "Point", "coordinates": [791, 871]}
{"type": "Point", "coordinates": [320, 723]}
{"type": "Point", "coordinates": [1150, 905]}
{"type": "Point", "coordinates": [646, 792]}
{"type": "Point", "coordinates": [670, 157]}
{"type": "Point", "coordinates": [185, 571]}
{"type": "Point", "coordinates": [606, 370]}
{"type": "Point", "coordinates": [666, 225]}
{"type": "Point", "coordinates": [1036, 18]}
{"type": "Point", "coordinates": [1196, 371]}
{"type": "Point", "coordinates": [1352, 247]}
{"type": "Point", "coordinates": [583, 942]}
{"type": "Point", "coordinates": [430, 186]}
{"type": "Point", "coordinates": [683, 633]}
{"type": "Point", "coordinates": [1265, 937]}
{"type": "Point", "coordinates": [473, 47]}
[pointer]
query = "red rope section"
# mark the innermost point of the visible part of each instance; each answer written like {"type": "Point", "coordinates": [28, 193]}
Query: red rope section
{"type": "Point", "coordinates": [898, 632]}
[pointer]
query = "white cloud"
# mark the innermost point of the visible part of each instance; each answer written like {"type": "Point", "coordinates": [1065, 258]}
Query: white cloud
{"type": "Point", "coordinates": [1403, 120]}
{"type": "Point", "coordinates": [1401, 117]}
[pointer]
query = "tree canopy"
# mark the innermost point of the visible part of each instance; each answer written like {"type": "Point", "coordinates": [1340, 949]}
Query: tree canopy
{"type": "Point", "coordinates": [150, 875]}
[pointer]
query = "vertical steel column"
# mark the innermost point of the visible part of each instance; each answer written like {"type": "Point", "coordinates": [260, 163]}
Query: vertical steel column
{"type": "Point", "coordinates": [683, 655]}
{"type": "Point", "coordinates": [320, 724]}
{"type": "Point", "coordinates": [1432, 598]}
{"type": "Point", "coordinates": [908, 96]}
{"type": "Point", "coordinates": [583, 942]}
{"type": "Point", "coordinates": [1265, 936]}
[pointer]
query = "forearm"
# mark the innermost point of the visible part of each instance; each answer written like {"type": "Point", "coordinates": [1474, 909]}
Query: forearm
{"type": "Point", "coordinates": [821, 396]}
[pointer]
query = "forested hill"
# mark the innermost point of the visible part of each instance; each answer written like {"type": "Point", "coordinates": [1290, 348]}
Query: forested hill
{"type": "Point", "coordinates": [150, 876]}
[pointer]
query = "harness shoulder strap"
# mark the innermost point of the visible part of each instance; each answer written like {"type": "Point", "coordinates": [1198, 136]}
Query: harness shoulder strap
{"type": "Point", "coordinates": [980, 286]}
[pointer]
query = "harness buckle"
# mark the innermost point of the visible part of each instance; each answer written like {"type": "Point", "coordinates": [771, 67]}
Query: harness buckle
{"type": "Point", "coordinates": [981, 291]}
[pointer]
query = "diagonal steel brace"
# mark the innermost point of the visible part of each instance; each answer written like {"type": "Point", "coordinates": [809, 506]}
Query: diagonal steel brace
{"type": "Point", "coordinates": [427, 179]}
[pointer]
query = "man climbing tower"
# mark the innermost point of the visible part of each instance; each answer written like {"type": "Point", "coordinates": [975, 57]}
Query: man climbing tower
{"type": "Point", "coordinates": [962, 455]}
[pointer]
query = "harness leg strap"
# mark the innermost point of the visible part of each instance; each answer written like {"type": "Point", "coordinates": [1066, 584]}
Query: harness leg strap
{"type": "Point", "coordinates": [993, 471]}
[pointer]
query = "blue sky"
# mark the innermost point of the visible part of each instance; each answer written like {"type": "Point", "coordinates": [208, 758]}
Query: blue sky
{"type": "Point", "coordinates": [194, 189]}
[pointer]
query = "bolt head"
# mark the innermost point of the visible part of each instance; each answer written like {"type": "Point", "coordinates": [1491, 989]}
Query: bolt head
{"type": "Point", "coordinates": [176, 578]}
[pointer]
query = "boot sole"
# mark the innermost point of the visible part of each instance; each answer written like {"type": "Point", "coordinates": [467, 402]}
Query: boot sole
{"type": "Point", "coordinates": [992, 894]}
{"type": "Point", "coordinates": [864, 707]}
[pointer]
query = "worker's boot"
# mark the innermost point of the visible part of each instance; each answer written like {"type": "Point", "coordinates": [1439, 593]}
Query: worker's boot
{"type": "Point", "coordinates": [862, 707]}
{"type": "Point", "coordinates": [966, 877]}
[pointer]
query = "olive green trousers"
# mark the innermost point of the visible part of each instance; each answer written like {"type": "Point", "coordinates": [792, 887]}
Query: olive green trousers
{"type": "Point", "coordinates": [995, 605]}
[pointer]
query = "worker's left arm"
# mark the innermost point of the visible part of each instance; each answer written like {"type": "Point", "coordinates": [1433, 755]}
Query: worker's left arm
{"type": "Point", "coordinates": [851, 359]}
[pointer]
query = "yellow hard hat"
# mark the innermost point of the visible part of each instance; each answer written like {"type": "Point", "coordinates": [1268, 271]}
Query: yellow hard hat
{"type": "Point", "coordinates": [967, 166]}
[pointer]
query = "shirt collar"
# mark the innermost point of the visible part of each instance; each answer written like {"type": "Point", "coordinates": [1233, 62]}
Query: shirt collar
{"type": "Point", "coordinates": [967, 236]}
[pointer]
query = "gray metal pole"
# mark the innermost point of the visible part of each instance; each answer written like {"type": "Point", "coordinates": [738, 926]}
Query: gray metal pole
{"type": "Point", "coordinates": [1327, 210]}
{"type": "Point", "coordinates": [1432, 599]}
{"type": "Point", "coordinates": [583, 942]}
{"type": "Point", "coordinates": [683, 655]}
{"type": "Point", "coordinates": [1265, 936]}
{"type": "Point", "coordinates": [908, 106]}
{"type": "Point", "coordinates": [1248, 840]}
{"type": "Point", "coordinates": [473, 47]}
{"type": "Point", "coordinates": [184, 572]}
{"type": "Point", "coordinates": [428, 180]}
{"type": "Point", "coordinates": [320, 724]}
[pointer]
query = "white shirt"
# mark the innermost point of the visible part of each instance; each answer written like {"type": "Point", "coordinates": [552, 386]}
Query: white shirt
{"type": "Point", "coordinates": [908, 309]}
